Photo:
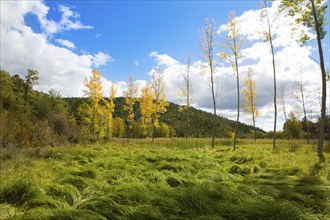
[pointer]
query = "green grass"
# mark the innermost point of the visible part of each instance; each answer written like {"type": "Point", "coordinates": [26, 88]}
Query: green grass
{"type": "Point", "coordinates": [168, 179]}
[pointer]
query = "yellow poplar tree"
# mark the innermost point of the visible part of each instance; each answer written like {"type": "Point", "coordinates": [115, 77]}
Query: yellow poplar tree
{"type": "Point", "coordinates": [250, 98]}
{"type": "Point", "coordinates": [94, 92]}
{"type": "Point", "coordinates": [146, 108]}
{"type": "Point", "coordinates": [160, 102]}
{"type": "Point", "coordinates": [130, 99]}
{"type": "Point", "coordinates": [110, 107]}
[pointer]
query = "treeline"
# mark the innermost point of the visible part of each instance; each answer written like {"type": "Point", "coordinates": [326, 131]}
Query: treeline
{"type": "Point", "coordinates": [200, 121]}
{"type": "Point", "coordinates": [32, 118]}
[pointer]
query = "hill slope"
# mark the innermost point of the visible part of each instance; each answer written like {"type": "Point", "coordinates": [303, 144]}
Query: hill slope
{"type": "Point", "coordinates": [201, 122]}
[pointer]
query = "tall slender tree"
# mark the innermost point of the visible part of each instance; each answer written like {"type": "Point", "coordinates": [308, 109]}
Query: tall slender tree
{"type": "Point", "coordinates": [232, 53]}
{"type": "Point", "coordinates": [328, 80]}
{"type": "Point", "coordinates": [110, 109]}
{"type": "Point", "coordinates": [94, 92]}
{"type": "Point", "coordinates": [250, 98]}
{"type": "Point", "coordinates": [130, 99]}
{"type": "Point", "coordinates": [312, 14]}
{"type": "Point", "coordinates": [185, 94]}
{"type": "Point", "coordinates": [159, 96]}
{"type": "Point", "coordinates": [282, 100]}
{"type": "Point", "coordinates": [146, 108]}
{"type": "Point", "coordinates": [207, 44]}
{"type": "Point", "coordinates": [301, 97]}
{"type": "Point", "coordinates": [269, 36]}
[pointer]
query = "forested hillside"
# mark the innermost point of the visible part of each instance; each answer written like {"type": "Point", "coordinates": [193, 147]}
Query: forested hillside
{"type": "Point", "coordinates": [200, 121]}
{"type": "Point", "coordinates": [32, 118]}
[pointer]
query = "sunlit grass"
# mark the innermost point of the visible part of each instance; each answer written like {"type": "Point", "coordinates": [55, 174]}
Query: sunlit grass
{"type": "Point", "coordinates": [168, 179]}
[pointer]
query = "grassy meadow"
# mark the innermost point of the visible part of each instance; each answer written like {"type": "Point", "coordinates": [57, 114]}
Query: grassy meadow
{"type": "Point", "coordinates": [168, 179]}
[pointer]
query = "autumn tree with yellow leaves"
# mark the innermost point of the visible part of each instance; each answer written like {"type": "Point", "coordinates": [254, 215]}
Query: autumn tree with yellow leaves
{"type": "Point", "coordinates": [94, 92]}
{"type": "Point", "coordinates": [110, 108]}
{"type": "Point", "coordinates": [159, 98]}
{"type": "Point", "coordinates": [232, 53]}
{"type": "Point", "coordinates": [130, 99]}
{"type": "Point", "coordinates": [146, 108]}
{"type": "Point", "coordinates": [250, 98]}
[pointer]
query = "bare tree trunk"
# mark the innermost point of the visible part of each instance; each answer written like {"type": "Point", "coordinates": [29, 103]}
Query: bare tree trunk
{"type": "Point", "coordinates": [270, 39]}
{"type": "Point", "coordinates": [128, 132]}
{"type": "Point", "coordinates": [188, 87]}
{"type": "Point", "coordinates": [188, 127]}
{"type": "Point", "coordinates": [153, 135]}
{"type": "Point", "coordinates": [207, 46]}
{"type": "Point", "coordinates": [301, 88]}
{"type": "Point", "coordinates": [238, 99]}
{"type": "Point", "coordinates": [255, 130]}
{"type": "Point", "coordinates": [214, 105]}
{"type": "Point", "coordinates": [282, 98]}
{"type": "Point", "coordinates": [107, 128]}
{"type": "Point", "coordinates": [322, 119]}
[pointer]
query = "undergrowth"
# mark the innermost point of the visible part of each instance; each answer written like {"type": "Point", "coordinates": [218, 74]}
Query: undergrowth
{"type": "Point", "coordinates": [168, 179]}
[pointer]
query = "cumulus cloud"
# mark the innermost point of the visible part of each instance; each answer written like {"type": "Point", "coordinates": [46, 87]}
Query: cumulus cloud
{"type": "Point", "coordinates": [163, 59]}
{"type": "Point", "coordinates": [69, 21]}
{"type": "Point", "coordinates": [293, 62]}
{"type": "Point", "coordinates": [21, 48]}
{"type": "Point", "coordinates": [62, 69]}
{"type": "Point", "coordinates": [100, 59]}
{"type": "Point", "coordinates": [66, 43]}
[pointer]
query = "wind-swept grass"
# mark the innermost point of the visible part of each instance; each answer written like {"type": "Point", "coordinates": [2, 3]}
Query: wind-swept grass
{"type": "Point", "coordinates": [168, 179]}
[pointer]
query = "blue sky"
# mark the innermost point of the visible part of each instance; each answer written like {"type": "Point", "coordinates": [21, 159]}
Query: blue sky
{"type": "Point", "coordinates": [64, 40]}
{"type": "Point", "coordinates": [130, 30]}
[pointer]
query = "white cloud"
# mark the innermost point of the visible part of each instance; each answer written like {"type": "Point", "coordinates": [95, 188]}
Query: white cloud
{"type": "Point", "coordinates": [122, 87]}
{"type": "Point", "coordinates": [292, 62]}
{"type": "Point", "coordinates": [101, 59]}
{"type": "Point", "coordinates": [163, 59]}
{"type": "Point", "coordinates": [69, 21]}
{"type": "Point", "coordinates": [66, 43]}
{"type": "Point", "coordinates": [64, 70]}
{"type": "Point", "coordinates": [21, 48]}
{"type": "Point", "coordinates": [136, 62]}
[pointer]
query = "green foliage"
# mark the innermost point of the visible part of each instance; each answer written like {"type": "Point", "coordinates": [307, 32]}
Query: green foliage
{"type": "Point", "coordinates": [118, 127]}
{"type": "Point", "coordinates": [302, 11]}
{"type": "Point", "coordinates": [29, 118]}
{"type": "Point", "coordinates": [292, 126]}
